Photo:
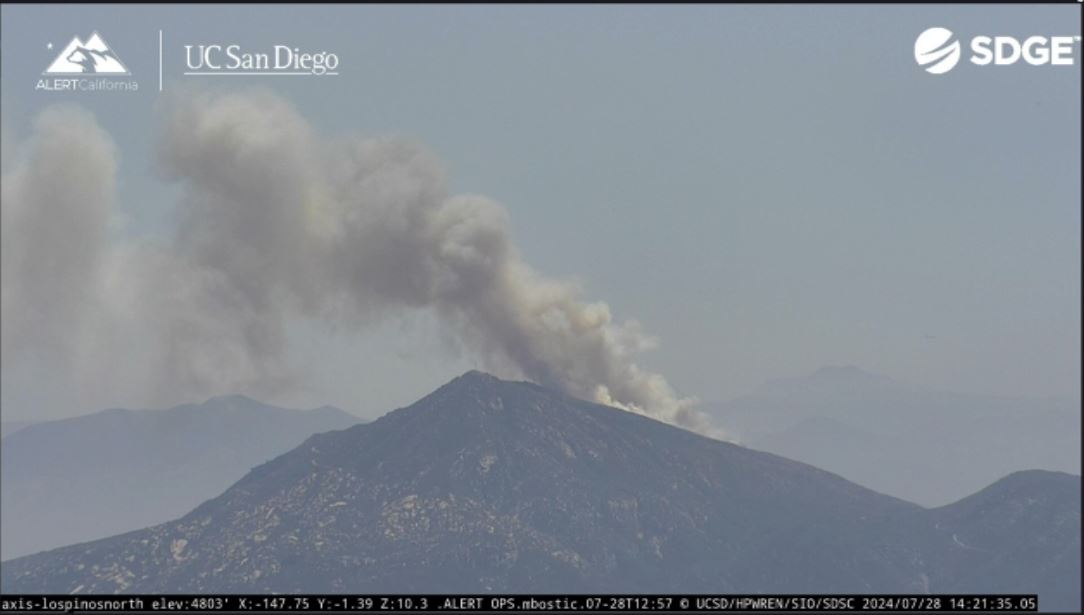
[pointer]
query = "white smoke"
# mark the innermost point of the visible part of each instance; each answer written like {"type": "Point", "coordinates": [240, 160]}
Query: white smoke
{"type": "Point", "coordinates": [279, 222]}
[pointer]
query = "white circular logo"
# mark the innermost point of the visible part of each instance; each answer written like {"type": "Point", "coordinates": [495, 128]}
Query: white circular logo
{"type": "Point", "coordinates": [937, 51]}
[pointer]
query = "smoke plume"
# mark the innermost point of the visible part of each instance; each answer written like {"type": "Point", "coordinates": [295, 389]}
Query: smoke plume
{"type": "Point", "coordinates": [57, 198]}
{"type": "Point", "coordinates": [277, 222]}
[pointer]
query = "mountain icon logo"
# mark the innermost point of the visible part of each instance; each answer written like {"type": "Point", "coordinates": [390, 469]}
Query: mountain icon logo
{"type": "Point", "coordinates": [93, 56]}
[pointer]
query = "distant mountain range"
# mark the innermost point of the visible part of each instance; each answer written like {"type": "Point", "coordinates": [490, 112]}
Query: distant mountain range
{"type": "Point", "coordinates": [9, 427]}
{"type": "Point", "coordinates": [73, 480]}
{"type": "Point", "coordinates": [925, 446]}
{"type": "Point", "coordinates": [494, 486]}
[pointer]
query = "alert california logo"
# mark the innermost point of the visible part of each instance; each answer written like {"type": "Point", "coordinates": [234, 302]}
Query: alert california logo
{"type": "Point", "coordinates": [89, 65]}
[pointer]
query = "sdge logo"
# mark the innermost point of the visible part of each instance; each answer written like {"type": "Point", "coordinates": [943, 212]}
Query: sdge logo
{"type": "Point", "coordinates": [938, 51]}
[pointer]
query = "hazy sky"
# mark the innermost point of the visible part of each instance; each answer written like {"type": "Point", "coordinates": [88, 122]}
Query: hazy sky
{"type": "Point", "coordinates": [766, 189]}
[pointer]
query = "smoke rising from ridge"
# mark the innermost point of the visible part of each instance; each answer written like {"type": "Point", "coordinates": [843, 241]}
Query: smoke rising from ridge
{"type": "Point", "coordinates": [278, 222]}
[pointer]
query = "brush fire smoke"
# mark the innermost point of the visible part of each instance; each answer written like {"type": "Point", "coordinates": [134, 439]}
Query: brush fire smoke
{"type": "Point", "coordinates": [278, 222]}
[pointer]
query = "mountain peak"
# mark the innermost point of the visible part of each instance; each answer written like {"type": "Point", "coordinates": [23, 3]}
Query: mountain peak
{"type": "Point", "coordinates": [488, 485]}
{"type": "Point", "coordinates": [845, 372]}
{"type": "Point", "coordinates": [1025, 485]}
{"type": "Point", "coordinates": [477, 389]}
{"type": "Point", "coordinates": [232, 399]}
{"type": "Point", "coordinates": [476, 377]}
{"type": "Point", "coordinates": [837, 378]}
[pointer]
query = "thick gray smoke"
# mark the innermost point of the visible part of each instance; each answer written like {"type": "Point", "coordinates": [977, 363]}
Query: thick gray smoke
{"type": "Point", "coordinates": [55, 208]}
{"type": "Point", "coordinates": [279, 222]}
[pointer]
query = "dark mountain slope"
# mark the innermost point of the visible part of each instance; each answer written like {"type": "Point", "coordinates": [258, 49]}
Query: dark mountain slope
{"type": "Point", "coordinates": [1020, 534]}
{"type": "Point", "coordinates": [488, 485]}
{"type": "Point", "coordinates": [87, 477]}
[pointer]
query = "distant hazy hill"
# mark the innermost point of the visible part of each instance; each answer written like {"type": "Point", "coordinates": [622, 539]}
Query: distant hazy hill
{"type": "Point", "coordinates": [9, 427]}
{"type": "Point", "coordinates": [78, 479]}
{"type": "Point", "coordinates": [925, 446]}
{"type": "Point", "coordinates": [487, 485]}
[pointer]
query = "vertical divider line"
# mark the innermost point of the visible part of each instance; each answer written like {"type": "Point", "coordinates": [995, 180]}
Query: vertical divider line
{"type": "Point", "coordinates": [159, 60]}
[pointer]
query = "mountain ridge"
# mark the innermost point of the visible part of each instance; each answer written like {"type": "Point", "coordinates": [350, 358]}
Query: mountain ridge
{"type": "Point", "coordinates": [94, 475]}
{"type": "Point", "coordinates": [897, 437]}
{"type": "Point", "coordinates": [486, 485]}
